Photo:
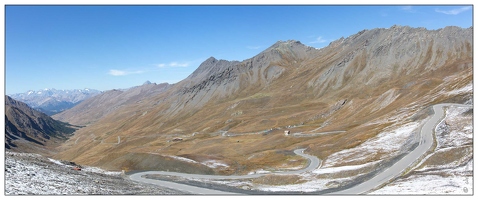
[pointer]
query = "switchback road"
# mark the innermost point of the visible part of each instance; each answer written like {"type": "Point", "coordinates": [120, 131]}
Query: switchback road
{"type": "Point", "coordinates": [314, 163]}
{"type": "Point", "coordinates": [425, 143]}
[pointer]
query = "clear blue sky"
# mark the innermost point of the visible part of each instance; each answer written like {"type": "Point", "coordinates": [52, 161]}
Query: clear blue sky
{"type": "Point", "coordinates": [111, 47]}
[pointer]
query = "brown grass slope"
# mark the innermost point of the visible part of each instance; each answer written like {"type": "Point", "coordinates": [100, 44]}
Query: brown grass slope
{"type": "Point", "coordinates": [367, 77]}
{"type": "Point", "coordinates": [92, 109]}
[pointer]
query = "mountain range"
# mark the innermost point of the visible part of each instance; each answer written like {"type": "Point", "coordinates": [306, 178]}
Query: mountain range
{"type": "Point", "coordinates": [28, 130]}
{"type": "Point", "coordinates": [235, 112]}
{"type": "Point", "coordinates": [52, 101]}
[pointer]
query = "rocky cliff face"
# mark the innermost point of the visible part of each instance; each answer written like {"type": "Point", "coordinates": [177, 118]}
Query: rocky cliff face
{"type": "Point", "coordinates": [27, 130]}
{"type": "Point", "coordinates": [356, 86]}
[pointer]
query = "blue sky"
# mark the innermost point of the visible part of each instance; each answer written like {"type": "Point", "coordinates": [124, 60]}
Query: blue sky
{"type": "Point", "coordinates": [111, 47]}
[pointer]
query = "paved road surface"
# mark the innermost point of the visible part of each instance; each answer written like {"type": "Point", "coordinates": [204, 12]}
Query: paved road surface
{"type": "Point", "coordinates": [398, 168]}
{"type": "Point", "coordinates": [314, 163]}
{"type": "Point", "coordinates": [426, 141]}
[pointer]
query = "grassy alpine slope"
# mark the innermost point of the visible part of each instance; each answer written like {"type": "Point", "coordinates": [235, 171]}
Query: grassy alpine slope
{"type": "Point", "coordinates": [234, 113]}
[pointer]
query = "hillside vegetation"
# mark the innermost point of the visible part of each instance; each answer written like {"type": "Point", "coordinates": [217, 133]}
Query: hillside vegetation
{"type": "Point", "coordinates": [235, 113]}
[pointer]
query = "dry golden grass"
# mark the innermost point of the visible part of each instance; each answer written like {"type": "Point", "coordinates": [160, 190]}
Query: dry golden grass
{"type": "Point", "coordinates": [297, 97]}
{"type": "Point", "coordinates": [278, 180]}
{"type": "Point", "coordinates": [450, 156]}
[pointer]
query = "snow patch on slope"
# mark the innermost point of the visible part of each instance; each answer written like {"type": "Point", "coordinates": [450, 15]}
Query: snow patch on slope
{"type": "Point", "coordinates": [32, 174]}
{"type": "Point", "coordinates": [452, 177]}
{"type": "Point", "coordinates": [214, 164]}
{"type": "Point", "coordinates": [390, 141]}
{"type": "Point", "coordinates": [208, 163]}
{"type": "Point", "coordinates": [342, 168]}
{"type": "Point", "coordinates": [466, 89]}
{"type": "Point", "coordinates": [183, 159]}
{"type": "Point", "coordinates": [429, 184]}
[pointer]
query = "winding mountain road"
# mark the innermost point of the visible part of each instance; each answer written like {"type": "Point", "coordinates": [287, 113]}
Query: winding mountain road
{"type": "Point", "coordinates": [426, 141]}
{"type": "Point", "coordinates": [314, 163]}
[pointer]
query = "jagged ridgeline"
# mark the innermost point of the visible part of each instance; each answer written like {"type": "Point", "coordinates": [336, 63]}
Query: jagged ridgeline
{"type": "Point", "coordinates": [236, 112]}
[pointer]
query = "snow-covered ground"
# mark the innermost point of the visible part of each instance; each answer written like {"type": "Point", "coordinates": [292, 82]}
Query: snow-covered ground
{"type": "Point", "coordinates": [455, 177]}
{"type": "Point", "coordinates": [333, 172]}
{"type": "Point", "coordinates": [214, 164]}
{"type": "Point", "coordinates": [466, 89]}
{"type": "Point", "coordinates": [451, 175]}
{"type": "Point", "coordinates": [208, 163]}
{"type": "Point", "coordinates": [431, 183]}
{"type": "Point", "coordinates": [183, 159]}
{"type": "Point", "coordinates": [388, 143]}
{"type": "Point", "coordinates": [32, 174]}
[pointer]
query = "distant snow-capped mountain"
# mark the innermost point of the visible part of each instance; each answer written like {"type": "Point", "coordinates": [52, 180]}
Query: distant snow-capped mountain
{"type": "Point", "coordinates": [52, 101]}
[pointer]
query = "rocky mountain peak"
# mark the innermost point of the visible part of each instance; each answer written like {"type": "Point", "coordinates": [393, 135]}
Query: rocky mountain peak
{"type": "Point", "coordinates": [292, 49]}
{"type": "Point", "coordinates": [210, 60]}
{"type": "Point", "coordinates": [210, 66]}
{"type": "Point", "coordinates": [289, 44]}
